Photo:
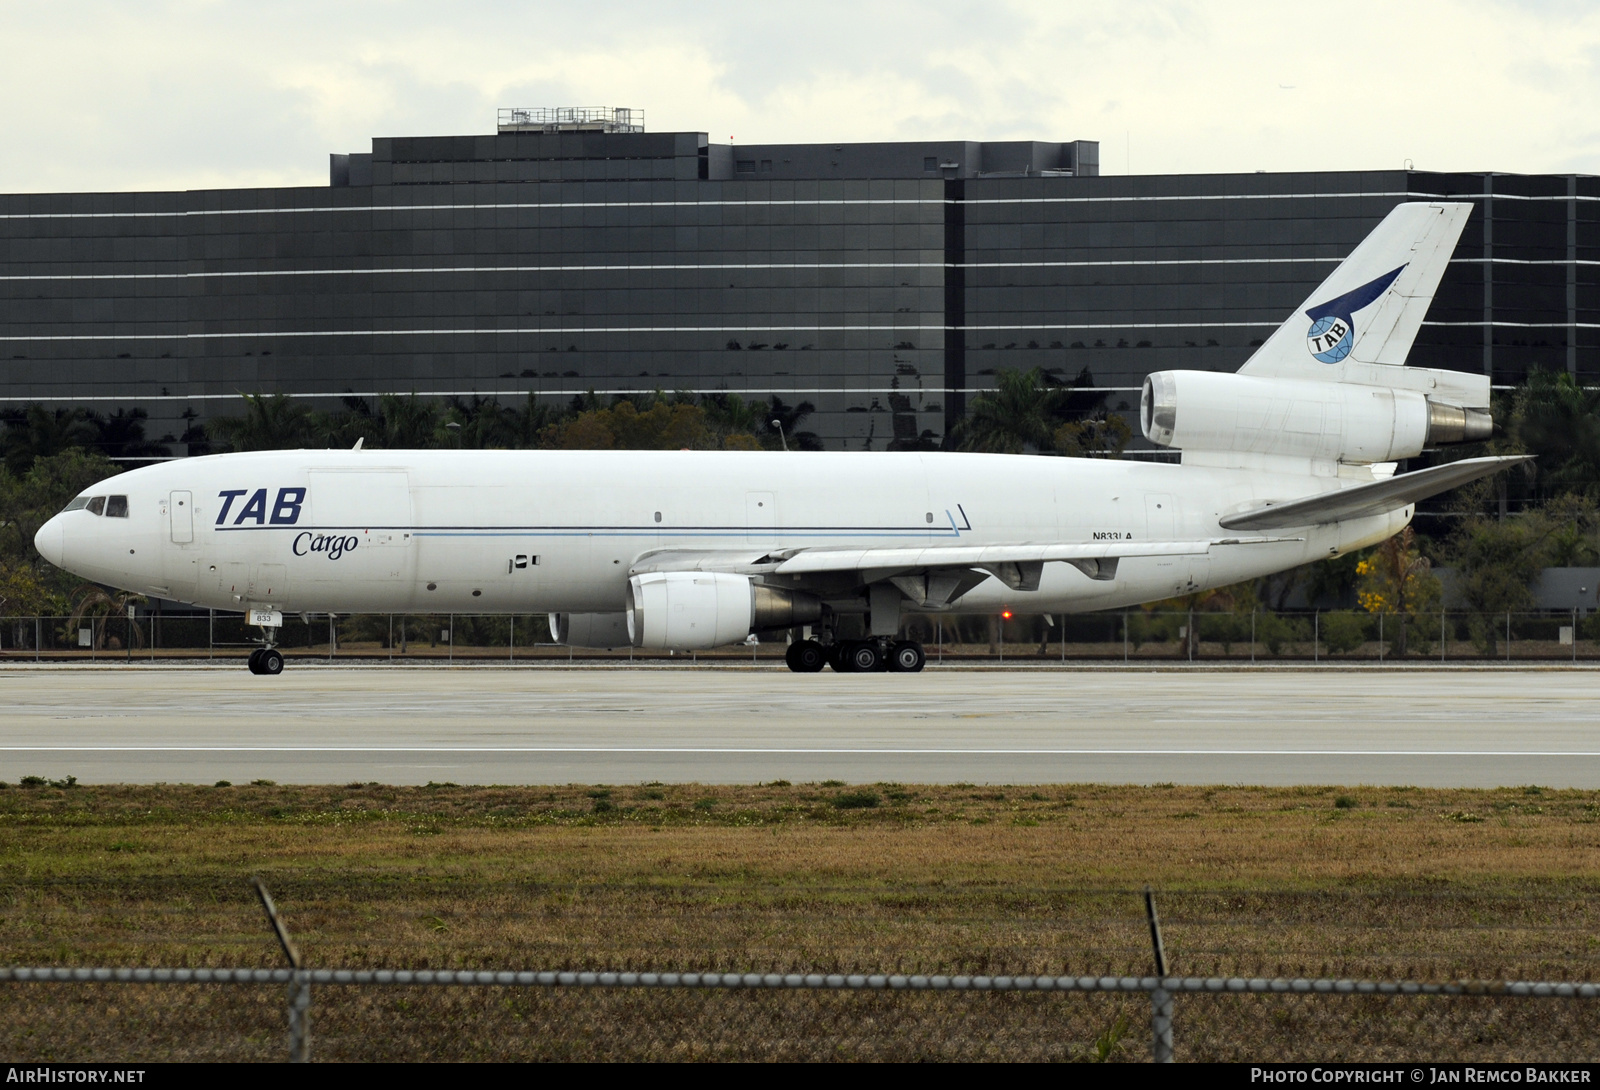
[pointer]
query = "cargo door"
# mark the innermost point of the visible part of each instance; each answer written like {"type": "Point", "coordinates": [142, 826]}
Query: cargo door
{"type": "Point", "coordinates": [366, 556]}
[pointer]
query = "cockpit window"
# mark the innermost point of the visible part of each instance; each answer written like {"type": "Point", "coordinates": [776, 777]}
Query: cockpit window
{"type": "Point", "coordinates": [97, 506]}
{"type": "Point", "coordinates": [117, 507]}
{"type": "Point", "coordinates": [76, 505]}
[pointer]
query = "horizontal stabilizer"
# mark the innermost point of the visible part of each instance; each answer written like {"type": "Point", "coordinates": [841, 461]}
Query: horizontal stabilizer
{"type": "Point", "coordinates": [1365, 500]}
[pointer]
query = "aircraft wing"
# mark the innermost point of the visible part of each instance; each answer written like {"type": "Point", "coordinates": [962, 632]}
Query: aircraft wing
{"type": "Point", "coordinates": [1369, 499]}
{"type": "Point", "coordinates": [932, 574]}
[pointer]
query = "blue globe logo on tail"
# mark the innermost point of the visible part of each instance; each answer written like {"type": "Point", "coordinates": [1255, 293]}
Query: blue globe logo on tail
{"type": "Point", "coordinates": [1333, 324]}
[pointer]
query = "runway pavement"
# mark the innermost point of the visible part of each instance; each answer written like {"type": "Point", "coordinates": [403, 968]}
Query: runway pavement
{"type": "Point", "coordinates": [1445, 727]}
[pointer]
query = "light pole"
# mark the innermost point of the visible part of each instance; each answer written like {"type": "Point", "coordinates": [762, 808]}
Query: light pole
{"type": "Point", "coordinates": [778, 424]}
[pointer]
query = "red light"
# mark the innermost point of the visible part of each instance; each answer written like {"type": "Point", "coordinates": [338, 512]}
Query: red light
{"type": "Point", "coordinates": [1005, 615]}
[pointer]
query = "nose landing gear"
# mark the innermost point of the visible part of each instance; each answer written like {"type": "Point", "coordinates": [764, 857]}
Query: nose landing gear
{"type": "Point", "coordinates": [266, 660]}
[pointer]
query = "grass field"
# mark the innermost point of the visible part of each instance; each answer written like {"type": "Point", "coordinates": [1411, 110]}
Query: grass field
{"type": "Point", "coordinates": [818, 877]}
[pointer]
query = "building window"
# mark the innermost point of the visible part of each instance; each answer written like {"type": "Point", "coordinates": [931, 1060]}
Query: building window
{"type": "Point", "coordinates": [930, 162]}
{"type": "Point", "coordinates": [745, 166]}
{"type": "Point", "coordinates": [766, 166]}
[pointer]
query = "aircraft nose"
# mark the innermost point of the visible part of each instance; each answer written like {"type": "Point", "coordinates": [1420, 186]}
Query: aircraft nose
{"type": "Point", "coordinates": [51, 541]}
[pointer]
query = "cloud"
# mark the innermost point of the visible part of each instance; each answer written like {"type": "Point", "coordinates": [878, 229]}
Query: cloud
{"type": "Point", "coordinates": [188, 94]}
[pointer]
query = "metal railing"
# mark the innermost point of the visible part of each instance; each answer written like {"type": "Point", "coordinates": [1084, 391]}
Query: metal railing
{"type": "Point", "coordinates": [1162, 988]}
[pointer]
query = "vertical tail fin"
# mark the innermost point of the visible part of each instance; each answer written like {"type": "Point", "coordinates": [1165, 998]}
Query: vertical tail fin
{"type": "Point", "coordinates": [1368, 311]}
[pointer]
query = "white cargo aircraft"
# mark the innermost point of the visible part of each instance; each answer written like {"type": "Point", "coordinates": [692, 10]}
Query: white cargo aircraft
{"type": "Point", "coordinates": [1287, 461]}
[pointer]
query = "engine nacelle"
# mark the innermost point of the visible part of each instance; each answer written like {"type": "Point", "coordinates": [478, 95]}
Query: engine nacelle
{"type": "Point", "coordinates": [695, 611]}
{"type": "Point", "coordinates": [1337, 421]}
{"type": "Point", "coordinates": [607, 630]}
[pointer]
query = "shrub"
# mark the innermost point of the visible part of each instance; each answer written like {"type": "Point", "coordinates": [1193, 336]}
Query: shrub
{"type": "Point", "coordinates": [1343, 632]}
{"type": "Point", "coordinates": [1275, 632]}
{"type": "Point", "coordinates": [857, 800]}
{"type": "Point", "coordinates": [1345, 802]}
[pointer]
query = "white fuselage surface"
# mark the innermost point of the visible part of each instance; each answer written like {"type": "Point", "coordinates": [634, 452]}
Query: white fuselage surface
{"type": "Point", "coordinates": [561, 531]}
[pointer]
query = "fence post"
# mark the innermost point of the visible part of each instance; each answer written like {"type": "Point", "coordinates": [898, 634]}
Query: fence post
{"type": "Point", "coordinates": [1442, 636]}
{"type": "Point", "coordinates": [299, 981]}
{"type": "Point", "coordinates": [1160, 998]}
{"type": "Point", "coordinates": [38, 631]}
{"type": "Point", "coordinates": [511, 642]}
{"type": "Point", "coordinates": [1124, 637]}
{"type": "Point", "coordinates": [1316, 636]}
{"type": "Point", "coordinates": [1508, 635]}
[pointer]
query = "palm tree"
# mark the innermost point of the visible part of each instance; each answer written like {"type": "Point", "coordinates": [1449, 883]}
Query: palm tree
{"type": "Point", "coordinates": [1017, 417]}
{"type": "Point", "coordinates": [121, 435]}
{"type": "Point", "coordinates": [789, 419]}
{"type": "Point", "coordinates": [270, 422]}
{"type": "Point", "coordinates": [36, 432]}
{"type": "Point", "coordinates": [98, 605]}
{"type": "Point", "coordinates": [1558, 420]}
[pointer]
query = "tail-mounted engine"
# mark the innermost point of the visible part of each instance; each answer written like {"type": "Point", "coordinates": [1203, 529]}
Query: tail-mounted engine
{"type": "Point", "coordinates": [1337, 421]}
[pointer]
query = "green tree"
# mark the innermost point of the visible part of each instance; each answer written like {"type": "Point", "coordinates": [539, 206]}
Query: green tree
{"type": "Point", "coordinates": [1497, 560]}
{"type": "Point", "coordinates": [1396, 580]}
{"type": "Point", "coordinates": [1017, 417]}
{"type": "Point", "coordinates": [1029, 412]}
{"type": "Point", "coordinates": [121, 435]}
{"type": "Point", "coordinates": [29, 499]}
{"type": "Point", "coordinates": [665, 425]}
{"type": "Point", "coordinates": [35, 432]}
{"type": "Point", "coordinates": [1559, 421]}
{"type": "Point", "coordinates": [271, 422]}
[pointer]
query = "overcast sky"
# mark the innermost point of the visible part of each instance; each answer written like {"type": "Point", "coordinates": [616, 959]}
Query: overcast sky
{"type": "Point", "coordinates": [208, 93]}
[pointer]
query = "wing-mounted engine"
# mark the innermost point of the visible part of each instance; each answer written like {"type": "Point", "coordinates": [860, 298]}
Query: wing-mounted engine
{"type": "Point", "coordinates": [699, 610]}
{"type": "Point", "coordinates": [1304, 418]}
{"type": "Point", "coordinates": [604, 630]}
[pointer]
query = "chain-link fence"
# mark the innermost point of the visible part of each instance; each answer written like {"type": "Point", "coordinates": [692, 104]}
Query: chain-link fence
{"type": "Point", "coordinates": [642, 1014]}
{"type": "Point", "coordinates": [1129, 636]}
{"type": "Point", "coordinates": [813, 1016]}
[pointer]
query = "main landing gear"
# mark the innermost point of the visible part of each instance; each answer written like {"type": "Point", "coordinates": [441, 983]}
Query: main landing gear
{"type": "Point", "coordinates": [856, 656]}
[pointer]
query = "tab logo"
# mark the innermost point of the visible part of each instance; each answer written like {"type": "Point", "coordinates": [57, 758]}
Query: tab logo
{"type": "Point", "coordinates": [1333, 324]}
{"type": "Point", "coordinates": [284, 510]}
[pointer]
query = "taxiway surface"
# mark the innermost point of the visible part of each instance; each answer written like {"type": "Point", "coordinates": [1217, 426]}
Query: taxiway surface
{"type": "Point", "coordinates": [719, 725]}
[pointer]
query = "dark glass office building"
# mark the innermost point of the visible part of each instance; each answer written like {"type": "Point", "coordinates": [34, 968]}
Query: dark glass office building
{"type": "Point", "coordinates": [884, 283]}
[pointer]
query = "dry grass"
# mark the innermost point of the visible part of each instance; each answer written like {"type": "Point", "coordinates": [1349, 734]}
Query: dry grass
{"type": "Point", "coordinates": [1298, 881]}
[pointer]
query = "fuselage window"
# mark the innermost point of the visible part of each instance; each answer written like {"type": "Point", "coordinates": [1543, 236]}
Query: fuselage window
{"type": "Point", "coordinates": [97, 506]}
{"type": "Point", "coordinates": [117, 507]}
{"type": "Point", "coordinates": [76, 505]}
